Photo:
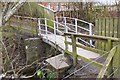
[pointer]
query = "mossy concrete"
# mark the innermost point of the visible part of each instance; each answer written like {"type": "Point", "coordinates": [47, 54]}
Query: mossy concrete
{"type": "Point", "coordinates": [37, 49]}
{"type": "Point", "coordinates": [33, 51]}
{"type": "Point", "coordinates": [58, 64]}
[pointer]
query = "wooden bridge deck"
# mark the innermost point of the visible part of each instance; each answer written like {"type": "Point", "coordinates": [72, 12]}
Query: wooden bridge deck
{"type": "Point", "coordinates": [60, 43]}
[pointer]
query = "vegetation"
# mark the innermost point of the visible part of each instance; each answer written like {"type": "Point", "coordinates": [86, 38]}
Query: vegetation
{"type": "Point", "coordinates": [33, 9]}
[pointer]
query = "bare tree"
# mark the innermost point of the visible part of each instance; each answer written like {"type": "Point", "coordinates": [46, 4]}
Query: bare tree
{"type": "Point", "coordinates": [7, 9]}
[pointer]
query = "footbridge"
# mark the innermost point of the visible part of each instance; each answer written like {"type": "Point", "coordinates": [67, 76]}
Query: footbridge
{"type": "Point", "coordinates": [76, 40]}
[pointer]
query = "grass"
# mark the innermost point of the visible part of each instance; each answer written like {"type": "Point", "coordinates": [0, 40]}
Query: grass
{"type": "Point", "coordinates": [35, 10]}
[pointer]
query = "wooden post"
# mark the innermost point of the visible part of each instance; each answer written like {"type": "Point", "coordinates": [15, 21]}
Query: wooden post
{"type": "Point", "coordinates": [118, 21]}
{"type": "Point", "coordinates": [109, 26]}
{"type": "Point", "coordinates": [66, 46]}
{"type": "Point", "coordinates": [119, 37]}
{"type": "Point", "coordinates": [109, 46]}
{"type": "Point", "coordinates": [105, 32]}
{"type": "Point", "coordinates": [74, 49]}
{"type": "Point", "coordinates": [117, 55]}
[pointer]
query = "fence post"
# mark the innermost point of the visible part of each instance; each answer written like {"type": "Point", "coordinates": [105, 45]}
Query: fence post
{"type": "Point", "coordinates": [74, 49]}
{"type": "Point", "coordinates": [66, 46]}
{"type": "Point", "coordinates": [90, 31]}
{"type": "Point", "coordinates": [57, 22]}
{"type": "Point", "coordinates": [39, 25]}
{"type": "Point", "coordinates": [55, 31]}
{"type": "Point", "coordinates": [46, 29]}
{"type": "Point", "coordinates": [109, 46]}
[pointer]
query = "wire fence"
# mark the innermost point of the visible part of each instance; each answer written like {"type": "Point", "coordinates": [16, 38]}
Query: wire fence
{"type": "Point", "coordinates": [83, 67]}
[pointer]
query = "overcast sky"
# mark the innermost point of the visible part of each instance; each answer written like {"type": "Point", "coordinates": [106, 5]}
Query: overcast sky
{"type": "Point", "coordinates": [107, 1]}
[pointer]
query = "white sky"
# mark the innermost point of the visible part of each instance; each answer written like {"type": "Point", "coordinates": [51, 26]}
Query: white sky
{"type": "Point", "coordinates": [107, 1]}
{"type": "Point", "coordinates": [102, 1]}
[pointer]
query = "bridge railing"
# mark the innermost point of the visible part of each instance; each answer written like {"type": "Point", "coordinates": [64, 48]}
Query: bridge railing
{"type": "Point", "coordinates": [50, 29]}
{"type": "Point", "coordinates": [75, 24]}
{"type": "Point", "coordinates": [58, 28]}
{"type": "Point", "coordinates": [110, 53]}
{"type": "Point", "coordinates": [107, 40]}
{"type": "Point", "coordinates": [44, 26]}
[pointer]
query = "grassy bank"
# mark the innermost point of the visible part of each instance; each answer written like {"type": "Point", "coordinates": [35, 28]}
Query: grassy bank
{"type": "Point", "coordinates": [33, 9]}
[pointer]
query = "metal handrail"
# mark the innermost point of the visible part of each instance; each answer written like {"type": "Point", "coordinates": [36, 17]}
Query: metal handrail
{"type": "Point", "coordinates": [67, 29]}
{"type": "Point", "coordinates": [60, 33]}
{"type": "Point", "coordinates": [76, 19]}
{"type": "Point", "coordinates": [76, 25]}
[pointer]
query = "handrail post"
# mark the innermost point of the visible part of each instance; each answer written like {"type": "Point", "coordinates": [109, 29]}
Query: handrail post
{"type": "Point", "coordinates": [55, 31]}
{"type": "Point", "coordinates": [109, 46]}
{"type": "Point", "coordinates": [46, 29]}
{"type": "Point", "coordinates": [66, 46]}
{"type": "Point", "coordinates": [90, 31]}
{"type": "Point", "coordinates": [76, 29]}
{"type": "Point", "coordinates": [74, 49]}
{"type": "Point", "coordinates": [66, 29]}
{"type": "Point", "coordinates": [39, 25]}
{"type": "Point", "coordinates": [57, 22]}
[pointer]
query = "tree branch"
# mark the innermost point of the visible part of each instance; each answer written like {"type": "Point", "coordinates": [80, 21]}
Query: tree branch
{"type": "Point", "coordinates": [9, 12]}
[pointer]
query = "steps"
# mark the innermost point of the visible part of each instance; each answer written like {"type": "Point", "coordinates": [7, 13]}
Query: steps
{"type": "Point", "coordinates": [58, 62]}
